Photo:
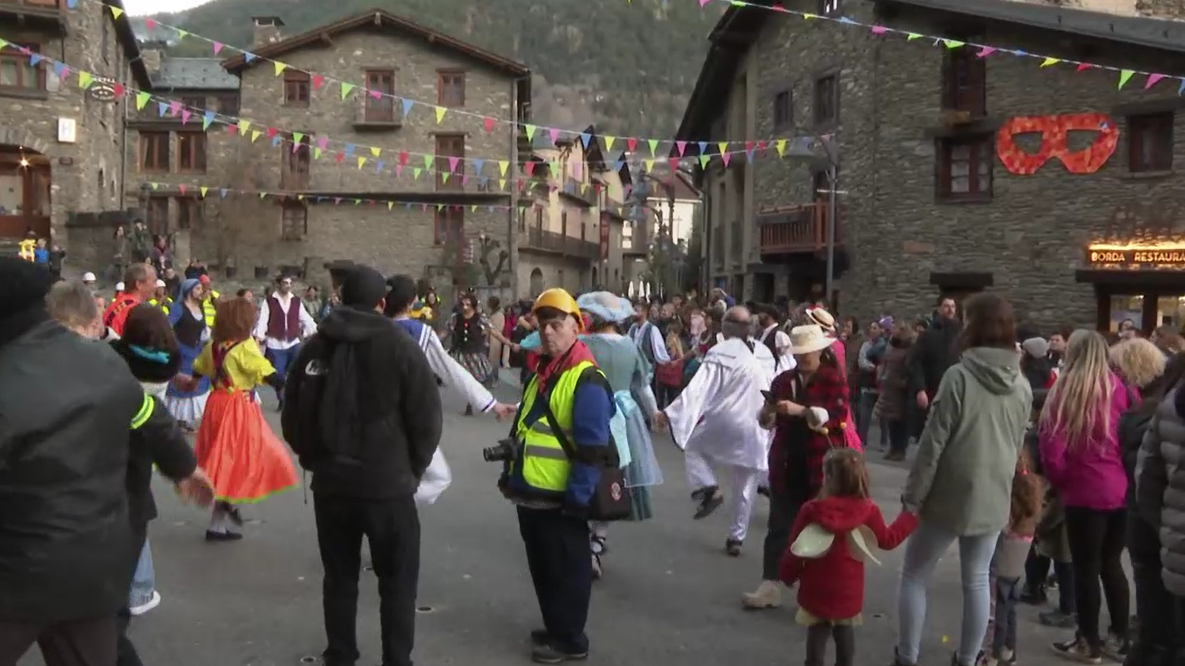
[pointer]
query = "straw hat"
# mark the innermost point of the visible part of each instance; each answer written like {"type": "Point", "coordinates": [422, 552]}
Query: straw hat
{"type": "Point", "coordinates": [807, 339]}
{"type": "Point", "coordinates": [822, 317]}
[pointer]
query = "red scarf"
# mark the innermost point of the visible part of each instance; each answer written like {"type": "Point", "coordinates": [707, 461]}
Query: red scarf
{"type": "Point", "coordinates": [551, 368]}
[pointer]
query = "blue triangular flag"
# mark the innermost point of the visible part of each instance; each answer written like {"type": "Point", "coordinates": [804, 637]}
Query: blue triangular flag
{"type": "Point", "coordinates": [222, 193]}
{"type": "Point", "coordinates": [161, 107]}
{"type": "Point", "coordinates": [490, 208]}
{"type": "Point", "coordinates": [208, 117]}
{"type": "Point", "coordinates": [378, 168]}
{"type": "Point", "coordinates": [483, 181]}
{"type": "Point", "coordinates": [619, 165]}
{"type": "Point", "coordinates": [34, 59]}
{"type": "Point", "coordinates": [276, 141]}
{"type": "Point", "coordinates": [407, 206]}
{"type": "Point", "coordinates": [59, 69]}
{"type": "Point", "coordinates": [477, 163]}
{"type": "Point", "coordinates": [703, 147]}
{"type": "Point", "coordinates": [248, 56]}
{"type": "Point", "coordinates": [585, 137]}
{"type": "Point", "coordinates": [1181, 88]}
{"type": "Point", "coordinates": [844, 19]}
{"type": "Point", "coordinates": [407, 104]}
{"type": "Point", "coordinates": [71, 4]}
{"type": "Point", "coordinates": [749, 154]}
{"type": "Point", "coordinates": [349, 149]}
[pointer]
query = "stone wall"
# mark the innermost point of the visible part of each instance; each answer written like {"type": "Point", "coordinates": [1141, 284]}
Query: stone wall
{"type": "Point", "coordinates": [1029, 235]}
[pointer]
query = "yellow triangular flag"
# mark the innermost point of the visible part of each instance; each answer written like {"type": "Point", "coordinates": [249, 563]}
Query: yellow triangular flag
{"type": "Point", "coordinates": [609, 142]}
{"type": "Point", "coordinates": [262, 195]}
{"type": "Point", "coordinates": [181, 34]}
{"type": "Point", "coordinates": [415, 173]}
{"type": "Point", "coordinates": [723, 146]}
{"type": "Point", "coordinates": [85, 79]}
{"type": "Point", "coordinates": [142, 99]}
{"type": "Point", "coordinates": [155, 186]}
{"type": "Point", "coordinates": [444, 178]}
{"type": "Point", "coordinates": [357, 201]}
{"type": "Point", "coordinates": [390, 205]}
{"type": "Point", "coordinates": [810, 16]}
{"type": "Point", "coordinates": [473, 208]}
{"type": "Point", "coordinates": [649, 165]}
{"type": "Point", "coordinates": [780, 144]}
{"type": "Point", "coordinates": [316, 153]}
{"type": "Point", "coordinates": [279, 66]}
{"type": "Point", "coordinates": [254, 135]}
{"type": "Point", "coordinates": [501, 183]}
{"type": "Point", "coordinates": [1124, 76]}
{"type": "Point", "coordinates": [203, 190]}
{"type": "Point", "coordinates": [440, 206]}
{"type": "Point", "coordinates": [115, 11]}
{"type": "Point", "coordinates": [244, 125]}
{"type": "Point", "coordinates": [503, 165]}
{"type": "Point", "coordinates": [440, 110]}
{"type": "Point", "coordinates": [1049, 61]}
{"type": "Point", "coordinates": [376, 151]}
{"type": "Point", "coordinates": [300, 197]}
{"type": "Point", "coordinates": [361, 161]}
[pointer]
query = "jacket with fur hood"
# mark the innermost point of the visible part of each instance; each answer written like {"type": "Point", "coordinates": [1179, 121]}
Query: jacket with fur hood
{"type": "Point", "coordinates": [1160, 486]}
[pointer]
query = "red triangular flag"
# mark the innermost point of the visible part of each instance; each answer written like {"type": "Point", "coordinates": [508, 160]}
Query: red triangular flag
{"type": "Point", "coordinates": [271, 132]}
{"type": "Point", "coordinates": [318, 81]}
{"type": "Point", "coordinates": [760, 145]}
{"type": "Point", "coordinates": [1084, 66]}
{"type": "Point", "coordinates": [673, 162]}
{"type": "Point", "coordinates": [339, 158]}
{"type": "Point", "coordinates": [748, 146]}
{"type": "Point", "coordinates": [149, 23]}
{"type": "Point", "coordinates": [529, 168]}
{"type": "Point", "coordinates": [631, 143]}
{"type": "Point", "coordinates": [117, 90]}
{"type": "Point", "coordinates": [181, 189]}
{"type": "Point", "coordinates": [488, 123]}
{"type": "Point", "coordinates": [402, 158]}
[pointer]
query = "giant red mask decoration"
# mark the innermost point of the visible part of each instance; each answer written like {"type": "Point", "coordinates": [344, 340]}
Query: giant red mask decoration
{"type": "Point", "coordinates": [1053, 131]}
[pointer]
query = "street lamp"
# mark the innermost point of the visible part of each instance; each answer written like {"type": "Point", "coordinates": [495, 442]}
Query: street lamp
{"type": "Point", "coordinates": [802, 148]}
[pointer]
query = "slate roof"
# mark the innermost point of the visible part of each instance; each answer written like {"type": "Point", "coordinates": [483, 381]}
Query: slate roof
{"type": "Point", "coordinates": [194, 74]}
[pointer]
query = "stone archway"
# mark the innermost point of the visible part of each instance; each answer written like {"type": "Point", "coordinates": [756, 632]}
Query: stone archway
{"type": "Point", "coordinates": [26, 200]}
{"type": "Point", "coordinates": [536, 282]}
{"type": "Point", "coordinates": [16, 137]}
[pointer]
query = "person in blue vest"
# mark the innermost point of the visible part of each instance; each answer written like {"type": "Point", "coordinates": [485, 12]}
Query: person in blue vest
{"type": "Point", "coordinates": [568, 397]}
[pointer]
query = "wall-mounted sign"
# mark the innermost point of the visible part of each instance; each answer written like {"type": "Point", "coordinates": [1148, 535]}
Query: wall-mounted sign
{"type": "Point", "coordinates": [67, 130]}
{"type": "Point", "coordinates": [1150, 256]}
{"type": "Point", "coordinates": [102, 90]}
{"type": "Point", "coordinates": [1054, 131]}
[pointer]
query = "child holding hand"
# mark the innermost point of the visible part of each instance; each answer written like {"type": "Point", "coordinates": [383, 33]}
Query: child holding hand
{"type": "Point", "coordinates": [828, 545]}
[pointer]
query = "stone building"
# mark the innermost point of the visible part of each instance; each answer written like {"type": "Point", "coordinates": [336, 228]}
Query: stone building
{"type": "Point", "coordinates": [345, 176]}
{"type": "Point", "coordinates": [61, 140]}
{"type": "Point", "coordinates": [945, 185]}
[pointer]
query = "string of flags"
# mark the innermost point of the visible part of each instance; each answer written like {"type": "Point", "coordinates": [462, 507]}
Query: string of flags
{"type": "Point", "coordinates": [211, 191]}
{"type": "Point", "coordinates": [488, 170]}
{"type": "Point", "coordinates": [983, 50]}
{"type": "Point", "coordinates": [658, 148]}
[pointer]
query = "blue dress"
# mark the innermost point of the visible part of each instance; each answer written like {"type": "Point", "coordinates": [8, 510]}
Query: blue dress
{"type": "Point", "coordinates": [191, 331]}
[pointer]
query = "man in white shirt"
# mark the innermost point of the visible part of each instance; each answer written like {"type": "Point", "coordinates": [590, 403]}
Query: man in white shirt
{"type": "Point", "coordinates": [774, 339]}
{"type": "Point", "coordinates": [646, 335]}
{"type": "Point", "coordinates": [283, 322]}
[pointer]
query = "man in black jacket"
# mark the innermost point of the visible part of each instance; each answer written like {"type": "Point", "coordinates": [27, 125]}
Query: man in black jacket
{"type": "Point", "coordinates": [67, 550]}
{"type": "Point", "coordinates": [935, 351]}
{"type": "Point", "coordinates": [362, 413]}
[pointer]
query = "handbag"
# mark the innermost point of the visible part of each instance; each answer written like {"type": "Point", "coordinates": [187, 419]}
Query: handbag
{"type": "Point", "coordinates": [670, 374]}
{"type": "Point", "coordinates": [609, 501]}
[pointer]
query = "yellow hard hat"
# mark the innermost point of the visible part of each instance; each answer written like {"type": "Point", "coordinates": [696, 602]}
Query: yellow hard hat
{"type": "Point", "coordinates": [559, 299]}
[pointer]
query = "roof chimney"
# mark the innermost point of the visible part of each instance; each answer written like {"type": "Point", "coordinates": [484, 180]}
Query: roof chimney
{"type": "Point", "coordinates": [152, 54]}
{"type": "Point", "coordinates": [266, 30]}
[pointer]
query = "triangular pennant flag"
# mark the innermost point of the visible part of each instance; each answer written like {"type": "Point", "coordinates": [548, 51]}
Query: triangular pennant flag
{"type": "Point", "coordinates": [653, 146]}
{"type": "Point", "coordinates": [985, 51]}
{"type": "Point", "coordinates": [182, 189]}
{"type": "Point", "coordinates": [912, 36]}
{"type": "Point", "coordinates": [255, 135]}
{"type": "Point", "coordinates": [217, 47]}
{"type": "Point", "coordinates": [554, 134]}
{"type": "Point", "coordinates": [361, 161]}
{"type": "Point", "coordinates": [703, 147]}
{"type": "Point", "coordinates": [244, 125]}
{"type": "Point", "coordinates": [185, 117]}
{"type": "Point", "coordinates": [439, 207]}
{"type": "Point", "coordinates": [444, 178]}
{"type": "Point", "coordinates": [207, 117]}
{"type": "Point", "coordinates": [473, 208]}
{"type": "Point", "coordinates": [631, 143]}
{"type": "Point", "coordinates": [529, 168]}
{"type": "Point", "coordinates": [262, 195]}
{"type": "Point", "coordinates": [271, 132]}
{"type": "Point", "coordinates": [501, 183]}
{"type": "Point", "coordinates": [1047, 62]}
{"type": "Point", "coordinates": [339, 157]}
{"type": "Point", "coordinates": [155, 186]}
{"type": "Point", "coordinates": [723, 146]}
{"type": "Point", "coordinates": [749, 155]}
{"type": "Point", "coordinates": [879, 29]}
{"type": "Point", "coordinates": [1153, 79]}
{"type": "Point", "coordinates": [390, 205]}
{"type": "Point", "coordinates": [142, 99]}
{"type": "Point", "coordinates": [203, 190]}
{"type": "Point", "coordinates": [337, 200]}
{"type": "Point", "coordinates": [440, 111]}
{"type": "Point", "coordinates": [1082, 67]}
{"type": "Point", "coordinates": [478, 163]}
{"type": "Point", "coordinates": [726, 157]}
{"type": "Point", "coordinates": [452, 164]}
{"type": "Point", "coordinates": [487, 123]}
{"type": "Point", "coordinates": [378, 167]}
{"type": "Point", "coordinates": [398, 170]}
{"type": "Point", "coordinates": [429, 160]}
{"type": "Point", "coordinates": [248, 56]}
{"type": "Point", "coordinates": [317, 81]}
{"type": "Point", "coordinates": [161, 108]}
{"type": "Point", "coordinates": [415, 173]}
{"type": "Point", "coordinates": [85, 79]}
{"type": "Point", "coordinates": [279, 67]}
{"type": "Point", "coordinates": [680, 147]}
{"type": "Point", "coordinates": [953, 43]}
{"type": "Point", "coordinates": [585, 137]}
{"type": "Point", "coordinates": [1124, 77]}
{"type": "Point", "coordinates": [530, 131]}
{"type": "Point", "coordinates": [780, 146]}
{"type": "Point", "coordinates": [376, 152]}
{"type": "Point", "coordinates": [673, 164]}
{"type": "Point", "coordinates": [71, 4]}
{"type": "Point", "coordinates": [609, 143]}
{"type": "Point", "coordinates": [357, 201]}
{"type": "Point", "coordinates": [403, 158]}
{"type": "Point", "coordinates": [115, 11]}
{"type": "Point", "coordinates": [349, 149]}
{"type": "Point", "coordinates": [222, 193]}
{"type": "Point", "coordinates": [346, 88]}
{"type": "Point", "coordinates": [181, 34]}
{"type": "Point", "coordinates": [407, 104]}
{"type": "Point", "coordinates": [649, 165]}
{"type": "Point", "coordinates": [503, 165]}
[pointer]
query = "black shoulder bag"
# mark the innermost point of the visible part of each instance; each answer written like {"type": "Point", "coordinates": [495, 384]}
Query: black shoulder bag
{"type": "Point", "coordinates": [609, 501]}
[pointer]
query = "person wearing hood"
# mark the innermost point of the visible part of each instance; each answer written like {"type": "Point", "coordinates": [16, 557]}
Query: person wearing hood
{"type": "Point", "coordinates": [362, 413]}
{"type": "Point", "coordinates": [960, 484]}
{"type": "Point", "coordinates": [189, 327]}
{"type": "Point", "coordinates": [1035, 364]}
{"type": "Point", "coordinates": [235, 445]}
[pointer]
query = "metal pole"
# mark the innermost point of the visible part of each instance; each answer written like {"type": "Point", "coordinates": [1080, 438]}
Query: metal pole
{"type": "Point", "coordinates": [832, 177]}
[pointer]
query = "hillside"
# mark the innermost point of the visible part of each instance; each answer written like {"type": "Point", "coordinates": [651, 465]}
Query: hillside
{"type": "Point", "coordinates": [629, 67]}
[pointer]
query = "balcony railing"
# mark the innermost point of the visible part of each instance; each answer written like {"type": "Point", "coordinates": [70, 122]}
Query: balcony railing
{"type": "Point", "coordinates": [796, 229]}
{"type": "Point", "coordinates": [46, 12]}
{"type": "Point", "coordinates": [52, 5]}
{"type": "Point", "coordinates": [378, 114]}
{"type": "Point", "coordinates": [550, 241]}
{"type": "Point", "coordinates": [581, 191]}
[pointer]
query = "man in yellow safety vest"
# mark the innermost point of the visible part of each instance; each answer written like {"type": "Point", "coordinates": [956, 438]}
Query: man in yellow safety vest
{"type": "Point", "coordinates": [160, 298]}
{"type": "Point", "coordinates": [210, 301]}
{"type": "Point", "coordinates": [566, 408]}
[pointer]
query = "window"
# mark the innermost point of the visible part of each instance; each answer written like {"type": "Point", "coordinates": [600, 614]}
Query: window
{"type": "Point", "coordinates": [447, 146]}
{"type": "Point", "coordinates": [826, 100]}
{"type": "Point", "coordinates": [191, 151]}
{"type": "Point", "coordinates": [383, 108]}
{"type": "Point", "coordinates": [1150, 142]}
{"type": "Point", "coordinates": [294, 220]}
{"type": "Point", "coordinates": [830, 7]}
{"type": "Point", "coordinates": [449, 225]}
{"type": "Point", "coordinates": [157, 215]}
{"type": "Point", "coordinates": [194, 102]}
{"type": "Point", "coordinates": [228, 105]}
{"type": "Point", "coordinates": [15, 71]}
{"type": "Point", "coordinates": [450, 89]}
{"type": "Point", "coordinates": [965, 167]}
{"type": "Point", "coordinates": [296, 89]}
{"type": "Point", "coordinates": [295, 167]}
{"type": "Point", "coordinates": [783, 110]}
{"type": "Point", "coordinates": [564, 223]}
{"type": "Point", "coordinates": [964, 83]}
{"type": "Point", "coordinates": [154, 151]}
{"type": "Point", "coordinates": [190, 213]}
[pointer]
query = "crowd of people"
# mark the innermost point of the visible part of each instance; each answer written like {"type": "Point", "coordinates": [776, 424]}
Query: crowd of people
{"type": "Point", "coordinates": [1030, 452]}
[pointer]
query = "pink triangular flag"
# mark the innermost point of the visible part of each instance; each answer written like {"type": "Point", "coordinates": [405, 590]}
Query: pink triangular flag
{"type": "Point", "coordinates": [488, 124]}
{"type": "Point", "coordinates": [375, 94]}
{"type": "Point", "coordinates": [174, 107]}
{"type": "Point", "coordinates": [726, 158]}
{"type": "Point", "coordinates": [1082, 67]}
{"type": "Point", "coordinates": [879, 29]}
{"type": "Point", "coordinates": [182, 189]}
{"type": "Point", "coordinates": [703, 2]}
{"type": "Point", "coordinates": [452, 164]}
{"type": "Point", "coordinates": [680, 146]}
{"type": "Point", "coordinates": [185, 116]}
{"type": "Point", "coordinates": [149, 23]}
{"type": "Point", "coordinates": [986, 51]}
{"type": "Point", "coordinates": [554, 134]}
{"type": "Point", "coordinates": [217, 48]}
{"type": "Point", "coordinates": [1153, 79]}
{"type": "Point", "coordinates": [318, 81]}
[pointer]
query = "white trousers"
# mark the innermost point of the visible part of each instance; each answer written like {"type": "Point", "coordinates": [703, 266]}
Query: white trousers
{"type": "Point", "coordinates": [740, 489]}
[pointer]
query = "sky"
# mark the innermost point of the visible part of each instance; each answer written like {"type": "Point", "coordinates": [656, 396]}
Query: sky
{"type": "Point", "coordinates": [138, 7]}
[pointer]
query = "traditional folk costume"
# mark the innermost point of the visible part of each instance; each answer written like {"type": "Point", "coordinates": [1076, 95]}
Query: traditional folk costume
{"type": "Point", "coordinates": [714, 421]}
{"type": "Point", "coordinates": [244, 459]}
{"type": "Point", "coordinates": [283, 322]}
{"type": "Point", "coordinates": [469, 346]}
{"type": "Point", "coordinates": [189, 326]}
{"type": "Point", "coordinates": [825, 321]}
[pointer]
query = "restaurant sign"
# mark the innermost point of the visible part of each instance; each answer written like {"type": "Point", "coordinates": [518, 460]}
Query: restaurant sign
{"type": "Point", "coordinates": [1136, 257]}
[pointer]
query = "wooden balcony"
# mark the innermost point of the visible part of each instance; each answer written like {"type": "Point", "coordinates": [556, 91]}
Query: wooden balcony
{"type": "Point", "coordinates": [572, 188]}
{"type": "Point", "coordinates": [796, 229]}
{"type": "Point", "coordinates": [41, 14]}
{"type": "Point", "coordinates": [378, 115]}
{"type": "Point", "coordinates": [542, 240]}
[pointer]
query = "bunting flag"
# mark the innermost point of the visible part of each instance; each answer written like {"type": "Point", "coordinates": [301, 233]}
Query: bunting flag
{"type": "Point", "coordinates": [280, 67]}
{"type": "Point", "coordinates": [440, 110]}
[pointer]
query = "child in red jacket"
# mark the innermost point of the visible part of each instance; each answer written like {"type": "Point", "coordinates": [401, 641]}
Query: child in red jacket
{"type": "Point", "coordinates": [828, 545]}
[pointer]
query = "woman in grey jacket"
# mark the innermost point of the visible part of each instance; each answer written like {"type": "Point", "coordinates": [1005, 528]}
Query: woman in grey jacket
{"type": "Point", "coordinates": [961, 481]}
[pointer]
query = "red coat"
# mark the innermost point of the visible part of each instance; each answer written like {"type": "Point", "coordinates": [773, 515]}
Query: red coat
{"type": "Point", "coordinates": [831, 587]}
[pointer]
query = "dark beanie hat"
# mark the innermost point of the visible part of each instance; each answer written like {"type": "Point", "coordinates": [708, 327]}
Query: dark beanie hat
{"type": "Point", "coordinates": [363, 287]}
{"type": "Point", "coordinates": [23, 285]}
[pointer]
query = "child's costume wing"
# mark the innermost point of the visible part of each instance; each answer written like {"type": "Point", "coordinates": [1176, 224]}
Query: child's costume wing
{"type": "Point", "coordinates": [862, 544]}
{"type": "Point", "coordinates": [813, 542]}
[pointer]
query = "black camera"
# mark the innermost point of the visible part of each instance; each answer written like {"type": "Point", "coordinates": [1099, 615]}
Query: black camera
{"type": "Point", "coordinates": [505, 451]}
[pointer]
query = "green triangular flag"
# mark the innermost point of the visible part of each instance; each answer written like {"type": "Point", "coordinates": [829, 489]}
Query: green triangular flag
{"type": "Point", "coordinates": [346, 88]}
{"type": "Point", "coordinates": [703, 161]}
{"type": "Point", "coordinates": [428, 161]}
{"type": "Point", "coordinates": [142, 99]}
{"type": "Point", "coordinates": [531, 132]}
{"type": "Point", "coordinates": [415, 173]}
{"type": "Point", "coordinates": [1124, 77]}
{"type": "Point", "coordinates": [297, 137]}
{"type": "Point", "coordinates": [653, 146]}
{"type": "Point", "coordinates": [440, 206]}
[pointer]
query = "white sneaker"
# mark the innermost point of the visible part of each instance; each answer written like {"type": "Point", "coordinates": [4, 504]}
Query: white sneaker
{"type": "Point", "coordinates": [768, 595]}
{"type": "Point", "coordinates": [147, 606]}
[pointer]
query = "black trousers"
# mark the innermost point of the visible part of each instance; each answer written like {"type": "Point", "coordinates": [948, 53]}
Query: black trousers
{"type": "Point", "coordinates": [783, 509]}
{"type": "Point", "coordinates": [898, 436]}
{"type": "Point", "coordinates": [392, 528]}
{"type": "Point", "coordinates": [1097, 539]}
{"type": "Point", "coordinates": [561, 569]}
{"type": "Point", "coordinates": [1157, 627]}
{"type": "Point", "coordinates": [78, 643]}
{"type": "Point", "coordinates": [1037, 572]}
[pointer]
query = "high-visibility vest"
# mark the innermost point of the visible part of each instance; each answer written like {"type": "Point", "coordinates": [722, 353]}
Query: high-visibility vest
{"type": "Point", "coordinates": [27, 249]}
{"type": "Point", "coordinates": [208, 308]}
{"type": "Point", "coordinates": [163, 305]}
{"type": "Point", "coordinates": [543, 464]}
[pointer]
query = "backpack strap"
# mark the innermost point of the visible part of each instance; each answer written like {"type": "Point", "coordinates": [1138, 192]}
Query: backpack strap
{"type": "Point", "coordinates": [610, 457]}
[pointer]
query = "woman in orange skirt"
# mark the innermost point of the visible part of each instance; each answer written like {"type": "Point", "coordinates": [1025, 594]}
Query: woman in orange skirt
{"type": "Point", "coordinates": [242, 456]}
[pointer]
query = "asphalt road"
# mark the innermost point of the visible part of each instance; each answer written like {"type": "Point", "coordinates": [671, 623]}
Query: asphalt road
{"type": "Point", "coordinates": [670, 594]}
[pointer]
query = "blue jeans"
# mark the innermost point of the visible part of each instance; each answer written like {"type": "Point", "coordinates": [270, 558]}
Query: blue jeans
{"type": "Point", "coordinates": [863, 416]}
{"type": "Point", "coordinates": [144, 581]}
{"type": "Point", "coordinates": [927, 545]}
{"type": "Point", "coordinates": [1007, 596]}
{"type": "Point", "coordinates": [281, 360]}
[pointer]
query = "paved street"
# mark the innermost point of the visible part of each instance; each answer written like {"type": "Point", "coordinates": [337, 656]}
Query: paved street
{"type": "Point", "coordinates": [670, 595]}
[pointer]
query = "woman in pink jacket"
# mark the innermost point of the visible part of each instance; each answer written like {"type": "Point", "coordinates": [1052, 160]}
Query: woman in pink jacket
{"type": "Point", "coordinates": [825, 321]}
{"type": "Point", "coordinates": [1080, 455]}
